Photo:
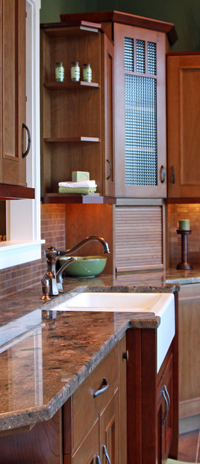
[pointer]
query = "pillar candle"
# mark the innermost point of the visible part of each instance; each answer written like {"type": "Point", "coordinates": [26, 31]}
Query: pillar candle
{"type": "Point", "coordinates": [184, 224]}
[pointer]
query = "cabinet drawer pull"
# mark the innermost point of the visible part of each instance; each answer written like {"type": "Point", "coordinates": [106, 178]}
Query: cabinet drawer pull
{"type": "Point", "coordinates": [29, 141]}
{"type": "Point", "coordinates": [103, 388]}
{"type": "Point", "coordinates": [106, 454]}
{"type": "Point", "coordinates": [166, 397]}
{"type": "Point", "coordinates": [98, 460]}
{"type": "Point", "coordinates": [109, 176]}
{"type": "Point", "coordinates": [126, 355]}
{"type": "Point", "coordinates": [162, 174]}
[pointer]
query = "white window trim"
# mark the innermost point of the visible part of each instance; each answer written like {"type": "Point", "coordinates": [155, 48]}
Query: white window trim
{"type": "Point", "coordinates": [23, 217]}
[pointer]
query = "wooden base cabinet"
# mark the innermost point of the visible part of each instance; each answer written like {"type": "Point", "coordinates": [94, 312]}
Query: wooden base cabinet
{"type": "Point", "coordinates": [94, 418]}
{"type": "Point", "coordinates": [152, 398]}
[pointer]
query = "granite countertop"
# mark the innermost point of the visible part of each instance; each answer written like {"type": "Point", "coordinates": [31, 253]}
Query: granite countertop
{"type": "Point", "coordinates": [45, 355]}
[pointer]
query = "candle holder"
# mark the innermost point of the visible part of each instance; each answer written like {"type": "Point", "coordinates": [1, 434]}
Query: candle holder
{"type": "Point", "coordinates": [184, 249]}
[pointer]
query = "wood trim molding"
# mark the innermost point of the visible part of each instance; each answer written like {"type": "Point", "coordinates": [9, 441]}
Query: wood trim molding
{"type": "Point", "coordinates": [15, 192]}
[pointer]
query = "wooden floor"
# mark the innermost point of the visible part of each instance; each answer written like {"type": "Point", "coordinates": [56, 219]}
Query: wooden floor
{"type": "Point", "coordinates": [189, 447]}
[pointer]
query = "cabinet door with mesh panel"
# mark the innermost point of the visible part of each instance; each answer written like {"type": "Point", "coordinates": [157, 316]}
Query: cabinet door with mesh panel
{"type": "Point", "coordinates": [140, 112]}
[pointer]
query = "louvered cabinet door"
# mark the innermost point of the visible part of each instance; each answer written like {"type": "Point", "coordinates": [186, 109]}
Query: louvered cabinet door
{"type": "Point", "coordinates": [138, 238]}
{"type": "Point", "coordinates": [140, 112]}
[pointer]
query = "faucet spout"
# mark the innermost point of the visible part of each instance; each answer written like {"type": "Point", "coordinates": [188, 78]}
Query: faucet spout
{"type": "Point", "coordinates": [83, 242]}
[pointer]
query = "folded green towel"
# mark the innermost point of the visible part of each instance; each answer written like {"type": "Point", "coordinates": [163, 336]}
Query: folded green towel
{"type": "Point", "coordinates": [81, 190]}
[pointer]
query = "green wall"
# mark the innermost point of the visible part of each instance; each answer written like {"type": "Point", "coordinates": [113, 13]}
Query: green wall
{"type": "Point", "coordinates": [185, 14]}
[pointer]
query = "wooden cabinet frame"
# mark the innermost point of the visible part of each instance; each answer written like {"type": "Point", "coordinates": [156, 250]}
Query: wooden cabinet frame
{"type": "Point", "coordinates": [144, 417]}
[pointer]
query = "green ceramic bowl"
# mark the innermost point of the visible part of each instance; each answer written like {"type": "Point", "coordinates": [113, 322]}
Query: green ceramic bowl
{"type": "Point", "coordinates": [85, 266]}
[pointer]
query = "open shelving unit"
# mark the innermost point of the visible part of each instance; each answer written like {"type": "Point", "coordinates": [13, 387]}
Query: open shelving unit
{"type": "Point", "coordinates": [72, 135]}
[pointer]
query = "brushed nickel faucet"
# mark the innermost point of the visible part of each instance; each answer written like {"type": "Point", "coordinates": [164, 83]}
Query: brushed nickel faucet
{"type": "Point", "coordinates": [52, 280]}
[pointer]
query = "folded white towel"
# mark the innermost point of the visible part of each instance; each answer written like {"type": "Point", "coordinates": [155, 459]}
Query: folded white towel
{"type": "Point", "coordinates": [82, 183]}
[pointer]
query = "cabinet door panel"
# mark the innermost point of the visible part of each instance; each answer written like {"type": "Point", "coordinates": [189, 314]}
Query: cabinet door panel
{"type": "Point", "coordinates": [140, 121]}
{"type": "Point", "coordinates": [89, 448]}
{"type": "Point", "coordinates": [109, 431]}
{"type": "Point", "coordinates": [85, 406]}
{"type": "Point", "coordinates": [107, 114]}
{"type": "Point", "coordinates": [183, 80]}
{"type": "Point", "coordinates": [13, 166]}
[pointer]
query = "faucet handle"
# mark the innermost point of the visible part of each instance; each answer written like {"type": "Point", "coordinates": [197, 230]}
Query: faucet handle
{"type": "Point", "coordinates": [46, 285]}
{"type": "Point", "coordinates": [52, 254]}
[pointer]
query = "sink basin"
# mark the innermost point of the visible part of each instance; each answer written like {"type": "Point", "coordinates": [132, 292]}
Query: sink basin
{"type": "Point", "coordinates": [118, 302]}
{"type": "Point", "coordinates": [160, 304]}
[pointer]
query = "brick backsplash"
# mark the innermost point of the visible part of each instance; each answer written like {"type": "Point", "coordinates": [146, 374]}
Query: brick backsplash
{"type": "Point", "coordinates": [53, 231]}
{"type": "Point", "coordinates": [177, 212]}
{"type": "Point", "coordinates": [29, 274]}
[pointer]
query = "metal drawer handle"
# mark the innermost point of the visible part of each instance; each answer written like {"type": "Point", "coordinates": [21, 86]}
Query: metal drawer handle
{"type": "Point", "coordinates": [106, 454]}
{"type": "Point", "coordinates": [162, 174]}
{"type": "Point", "coordinates": [109, 176]}
{"type": "Point", "coordinates": [168, 397]}
{"type": "Point", "coordinates": [98, 460]}
{"type": "Point", "coordinates": [167, 401]}
{"type": "Point", "coordinates": [103, 388]}
{"type": "Point", "coordinates": [126, 355]}
{"type": "Point", "coordinates": [29, 141]}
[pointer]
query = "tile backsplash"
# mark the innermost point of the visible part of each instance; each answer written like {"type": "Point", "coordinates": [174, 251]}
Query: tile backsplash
{"type": "Point", "coordinates": [176, 213]}
{"type": "Point", "coordinates": [29, 274]}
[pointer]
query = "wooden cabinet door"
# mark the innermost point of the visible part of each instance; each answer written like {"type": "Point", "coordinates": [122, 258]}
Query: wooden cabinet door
{"type": "Point", "coordinates": [108, 115]}
{"type": "Point", "coordinates": [109, 431]}
{"type": "Point", "coordinates": [183, 102]}
{"type": "Point", "coordinates": [123, 358]}
{"type": "Point", "coordinates": [13, 97]}
{"type": "Point", "coordinates": [140, 112]}
{"type": "Point", "coordinates": [165, 413]}
{"type": "Point", "coordinates": [88, 451]}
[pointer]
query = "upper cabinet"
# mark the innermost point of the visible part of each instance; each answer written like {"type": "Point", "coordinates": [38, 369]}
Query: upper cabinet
{"type": "Point", "coordinates": [15, 135]}
{"type": "Point", "coordinates": [140, 112]}
{"type": "Point", "coordinates": [115, 126]}
{"type": "Point", "coordinates": [183, 101]}
{"type": "Point", "coordinates": [140, 46]}
{"type": "Point", "coordinates": [76, 114]}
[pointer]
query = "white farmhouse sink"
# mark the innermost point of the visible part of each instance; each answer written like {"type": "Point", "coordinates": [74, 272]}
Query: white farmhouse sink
{"type": "Point", "coordinates": [160, 304]}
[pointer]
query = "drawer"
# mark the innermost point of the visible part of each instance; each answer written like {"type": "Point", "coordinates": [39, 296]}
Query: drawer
{"type": "Point", "coordinates": [85, 407]}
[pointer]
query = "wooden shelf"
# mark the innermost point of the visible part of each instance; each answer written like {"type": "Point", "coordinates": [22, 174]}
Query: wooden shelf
{"type": "Point", "coordinates": [15, 192]}
{"type": "Point", "coordinates": [67, 198]}
{"type": "Point", "coordinates": [71, 139]}
{"type": "Point", "coordinates": [71, 85]}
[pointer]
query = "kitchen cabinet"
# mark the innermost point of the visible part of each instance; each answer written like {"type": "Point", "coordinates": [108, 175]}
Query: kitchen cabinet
{"type": "Point", "coordinates": [164, 410]}
{"type": "Point", "coordinates": [183, 100]}
{"type": "Point", "coordinates": [189, 359]}
{"type": "Point", "coordinates": [94, 418]}
{"type": "Point", "coordinates": [117, 410]}
{"type": "Point", "coordinates": [15, 135]}
{"type": "Point", "coordinates": [89, 427]}
{"type": "Point", "coordinates": [152, 397]}
{"type": "Point", "coordinates": [140, 46]}
{"type": "Point", "coordinates": [76, 116]}
{"type": "Point", "coordinates": [140, 112]}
